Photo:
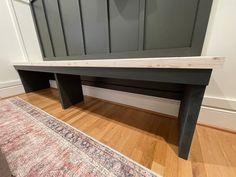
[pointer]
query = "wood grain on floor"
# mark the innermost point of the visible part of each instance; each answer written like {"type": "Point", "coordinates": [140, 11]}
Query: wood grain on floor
{"type": "Point", "coordinates": [149, 139]}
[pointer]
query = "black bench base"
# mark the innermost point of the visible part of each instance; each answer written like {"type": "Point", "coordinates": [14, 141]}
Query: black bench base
{"type": "Point", "coordinates": [193, 81]}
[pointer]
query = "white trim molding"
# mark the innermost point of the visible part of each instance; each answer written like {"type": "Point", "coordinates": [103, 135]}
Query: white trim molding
{"type": "Point", "coordinates": [17, 29]}
{"type": "Point", "coordinates": [218, 112]}
{"type": "Point", "coordinates": [219, 118]}
{"type": "Point", "coordinates": [9, 83]}
{"type": "Point", "coordinates": [215, 111]}
{"type": "Point", "coordinates": [11, 88]}
{"type": "Point", "coordinates": [160, 105]}
{"type": "Point", "coordinates": [220, 103]}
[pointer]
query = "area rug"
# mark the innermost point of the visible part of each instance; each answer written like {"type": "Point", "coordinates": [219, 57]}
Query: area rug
{"type": "Point", "coordinates": [37, 144]}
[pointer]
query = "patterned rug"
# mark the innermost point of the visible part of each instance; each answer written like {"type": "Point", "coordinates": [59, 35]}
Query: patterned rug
{"type": "Point", "coordinates": [37, 144]}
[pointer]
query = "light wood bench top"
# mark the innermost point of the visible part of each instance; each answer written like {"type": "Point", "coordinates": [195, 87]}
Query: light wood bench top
{"type": "Point", "coordinates": [200, 62]}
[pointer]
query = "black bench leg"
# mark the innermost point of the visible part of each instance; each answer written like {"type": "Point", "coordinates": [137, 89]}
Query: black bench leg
{"type": "Point", "coordinates": [33, 81]}
{"type": "Point", "coordinates": [188, 115]}
{"type": "Point", "coordinates": [70, 89]}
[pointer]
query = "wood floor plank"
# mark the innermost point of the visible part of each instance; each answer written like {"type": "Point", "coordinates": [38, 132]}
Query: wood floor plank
{"type": "Point", "coordinates": [148, 138]}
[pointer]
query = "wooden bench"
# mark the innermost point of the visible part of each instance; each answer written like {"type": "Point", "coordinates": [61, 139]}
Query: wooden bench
{"type": "Point", "coordinates": [193, 73]}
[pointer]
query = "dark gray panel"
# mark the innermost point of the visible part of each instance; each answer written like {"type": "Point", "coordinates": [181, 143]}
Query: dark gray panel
{"type": "Point", "coordinates": [188, 115]}
{"type": "Point", "coordinates": [137, 84]}
{"type": "Point", "coordinates": [142, 4]}
{"type": "Point", "coordinates": [165, 75]}
{"type": "Point", "coordinates": [52, 12]}
{"type": "Point", "coordinates": [33, 81]}
{"type": "Point", "coordinates": [94, 15]}
{"type": "Point", "coordinates": [72, 25]}
{"type": "Point", "coordinates": [124, 25]}
{"type": "Point", "coordinates": [169, 23]}
{"type": "Point", "coordinates": [166, 90]}
{"type": "Point", "coordinates": [202, 18]}
{"type": "Point", "coordinates": [42, 28]}
{"type": "Point", "coordinates": [70, 89]}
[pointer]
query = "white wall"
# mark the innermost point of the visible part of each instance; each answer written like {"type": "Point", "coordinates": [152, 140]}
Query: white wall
{"type": "Point", "coordinates": [27, 29]}
{"type": "Point", "coordinates": [18, 43]}
{"type": "Point", "coordinates": [10, 49]}
{"type": "Point", "coordinates": [220, 102]}
{"type": "Point", "coordinates": [219, 106]}
{"type": "Point", "coordinates": [221, 40]}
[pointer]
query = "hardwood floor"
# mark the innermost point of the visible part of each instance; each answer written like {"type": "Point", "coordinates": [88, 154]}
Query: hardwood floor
{"type": "Point", "coordinates": [148, 138]}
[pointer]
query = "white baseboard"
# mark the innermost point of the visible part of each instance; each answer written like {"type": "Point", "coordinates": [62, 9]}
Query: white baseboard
{"type": "Point", "coordinates": [219, 118]}
{"type": "Point", "coordinates": [220, 103]}
{"type": "Point", "coordinates": [11, 88]}
{"type": "Point", "coordinates": [9, 83]}
{"type": "Point", "coordinates": [161, 105]}
{"type": "Point", "coordinates": [217, 112]}
{"type": "Point", "coordinates": [216, 117]}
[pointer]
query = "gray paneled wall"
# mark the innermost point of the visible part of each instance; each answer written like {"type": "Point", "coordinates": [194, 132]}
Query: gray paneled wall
{"type": "Point", "coordinates": [124, 25]}
{"type": "Point", "coordinates": [171, 21]}
{"type": "Point", "coordinates": [56, 27]}
{"type": "Point", "coordinates": [71, 20]}
{"type": "Point", "coordinates": [43, 30]}
{"type": "Point", "coordinates": [120, 28]}
{"type": "Point", "coordinates": [95, 24]}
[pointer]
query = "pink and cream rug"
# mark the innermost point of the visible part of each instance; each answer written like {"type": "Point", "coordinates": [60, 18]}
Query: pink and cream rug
{"type": "Point", "coordinates": [37, 144]}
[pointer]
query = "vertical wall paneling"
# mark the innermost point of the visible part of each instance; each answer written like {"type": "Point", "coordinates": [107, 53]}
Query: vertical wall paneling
{"type": "Point", "coordinates": [82, 27]}
{"type": "Point", "coordinates": [120, 28]}
{"type": "Point", "coordinates": [142, 4]}
{"type": "Point", "coordinates": [169, 24]}
{"type": "Point", "coordinates": [94, 13]}
{"type": "Point", "coordinates": [62, 26]}
{"type": "Point", "coordinates": [42, 26]}
{"type": "Point", "coordinates": [201, 22]}
{"type": "Point", "coordinates": [108, 27]}
{"type": "Point", "coordinates": [71, 17]}
{"type": "Point", "coordinates": [124, 25]}
{"type": "Point", "coordinates": [37, 30]}
{"type": "Point", "coordinates": [54, 21]}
